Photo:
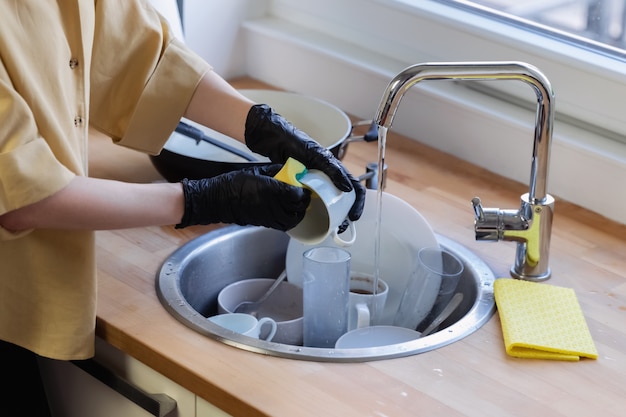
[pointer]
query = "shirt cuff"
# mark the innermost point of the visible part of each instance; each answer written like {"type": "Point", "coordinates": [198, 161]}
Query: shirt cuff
{"type": "Point", "coordinates": [165, 99]}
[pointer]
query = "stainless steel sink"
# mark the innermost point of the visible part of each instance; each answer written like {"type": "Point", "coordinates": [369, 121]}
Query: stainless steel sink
{"type": "Point", "coordinates": [191, 278]}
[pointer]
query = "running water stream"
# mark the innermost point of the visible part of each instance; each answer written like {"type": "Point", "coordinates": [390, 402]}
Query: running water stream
{"type": "Point", "coordinates": [382, 139]}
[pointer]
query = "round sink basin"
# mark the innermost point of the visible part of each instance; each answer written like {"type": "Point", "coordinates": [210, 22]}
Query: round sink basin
{"type": "Point", "coordinates": [191, 278]}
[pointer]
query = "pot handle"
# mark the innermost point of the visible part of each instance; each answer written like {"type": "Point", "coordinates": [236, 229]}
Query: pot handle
{"type": "Point", "coordinates": [198, 135]}
{"type": "Point", "coordinates": [370, 136]}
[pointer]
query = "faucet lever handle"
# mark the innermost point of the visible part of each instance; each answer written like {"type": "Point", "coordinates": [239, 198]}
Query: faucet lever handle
{"type": "Point", "coordinates": [487, 223]}
{"type": "Point", "coordinates": [478, 209]}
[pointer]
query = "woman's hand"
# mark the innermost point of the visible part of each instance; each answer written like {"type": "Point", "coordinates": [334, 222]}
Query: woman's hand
{"type": "Point", "coordinates": [249, 196]}
{"type": "Point", "coordinates": [268, 133]}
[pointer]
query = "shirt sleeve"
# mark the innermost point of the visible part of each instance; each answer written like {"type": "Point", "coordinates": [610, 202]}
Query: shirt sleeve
{"type": "Point", "coordinates": [142, 77]}
{"type": "Point", "coordinates": [29, 170]}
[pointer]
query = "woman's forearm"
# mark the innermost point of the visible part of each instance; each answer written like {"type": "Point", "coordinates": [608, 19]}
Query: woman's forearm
{"type": "Point", "coordinates": [97, 204]}
{"type": "Point", "coordinates": [220, 106]}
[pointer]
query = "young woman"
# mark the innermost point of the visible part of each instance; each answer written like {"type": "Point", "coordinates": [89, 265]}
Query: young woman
{"type": "Point", "coordinates": [64, 66]}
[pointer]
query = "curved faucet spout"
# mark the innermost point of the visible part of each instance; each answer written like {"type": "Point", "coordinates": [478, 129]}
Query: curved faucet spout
{"type": "Point", "coordinates": [483, 71]}
{"type": "Point", "coordinates": [531, 260]}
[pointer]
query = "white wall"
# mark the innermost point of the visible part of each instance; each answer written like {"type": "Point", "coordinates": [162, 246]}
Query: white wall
{"type": "Point", "coordinates": [213, 29]}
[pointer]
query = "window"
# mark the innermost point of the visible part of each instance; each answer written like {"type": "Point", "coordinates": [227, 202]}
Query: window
{"type": "Point", "coordinates": [596, 27]}
{"type": "Point", "coordinates": [595, 24]}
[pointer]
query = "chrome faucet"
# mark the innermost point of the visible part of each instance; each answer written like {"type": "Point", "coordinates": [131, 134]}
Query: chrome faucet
{"type": "Point", "coordinates": [531, 225]}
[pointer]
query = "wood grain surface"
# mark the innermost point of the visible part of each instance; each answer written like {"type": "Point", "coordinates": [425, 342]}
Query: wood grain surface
{"type": "Point", "coordinates": [472, 377]}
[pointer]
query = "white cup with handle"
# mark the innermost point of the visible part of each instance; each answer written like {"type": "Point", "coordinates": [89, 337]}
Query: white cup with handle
{"type": "Point", "coordinates": [246, 324]}
{"type": "Point", "coordinates": [365, 306]}
{"type": "Point", "coordinates": [328, 209]}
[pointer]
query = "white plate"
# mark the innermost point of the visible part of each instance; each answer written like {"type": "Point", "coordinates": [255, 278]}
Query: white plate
{"type": "Point", "coordinates": [404, 232]}
{"type": "Point", "coordinates": [376, 336]}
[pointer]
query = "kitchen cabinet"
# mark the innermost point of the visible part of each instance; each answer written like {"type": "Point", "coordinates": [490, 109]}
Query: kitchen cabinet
{"type": "Point", "coordinates": [75, 392]}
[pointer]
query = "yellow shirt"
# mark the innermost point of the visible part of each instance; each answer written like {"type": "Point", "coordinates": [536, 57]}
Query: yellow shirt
{"type": "Point", "coordinates": [64, 65]}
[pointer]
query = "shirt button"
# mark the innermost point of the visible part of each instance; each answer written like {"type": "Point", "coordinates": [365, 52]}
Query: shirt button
{"type": "Point", "coordinates": [78, 121]}
{"type": "Point", "coordinates": [73, 63]}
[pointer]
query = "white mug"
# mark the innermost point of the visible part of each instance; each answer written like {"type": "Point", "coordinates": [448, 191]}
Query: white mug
{"type": "Point", "coordinates": [246, 324]}
{"type": "Point", "coordinates": [284, 305]}
{"type": "Point", "coordinates": [328, 209]}
{"type": "Point", "coordinates": [365, 307]}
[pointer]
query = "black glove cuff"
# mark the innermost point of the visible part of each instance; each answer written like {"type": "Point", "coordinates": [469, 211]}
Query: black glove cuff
{"type": "Point", "coordinates": [201, 202]}
{"type": "Point", "coordinates": [260, 132]}
{"type": "Point", "coordinates": [185, 221]}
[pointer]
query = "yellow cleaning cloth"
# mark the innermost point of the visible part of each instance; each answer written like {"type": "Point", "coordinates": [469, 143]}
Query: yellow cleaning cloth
{"type": "Point", "coordinates": [542, 321]}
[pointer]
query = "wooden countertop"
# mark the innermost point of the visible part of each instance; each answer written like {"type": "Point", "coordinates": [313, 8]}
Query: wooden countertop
{"type": "Point", "coordinates": [472, 377]}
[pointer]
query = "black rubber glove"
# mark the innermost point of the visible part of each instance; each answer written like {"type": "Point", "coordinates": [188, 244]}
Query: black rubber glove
{"type": "Point", "coordinates": [269, 134]}
{"type": "Point", "coordinates": [248, 196]}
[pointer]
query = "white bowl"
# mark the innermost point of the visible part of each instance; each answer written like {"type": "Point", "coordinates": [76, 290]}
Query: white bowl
{"type": "Point", "coordinates": [404, 232]}
{"type": "Point", "coordinates": [284, 305]}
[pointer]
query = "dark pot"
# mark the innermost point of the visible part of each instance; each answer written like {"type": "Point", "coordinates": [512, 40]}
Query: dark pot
{"type": "Point", "coordinates": [194, 151]}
